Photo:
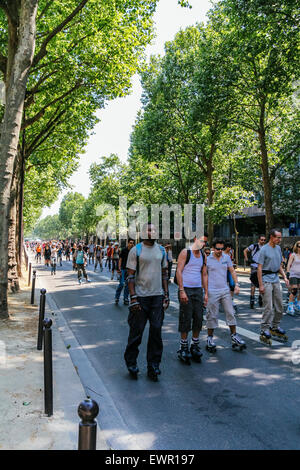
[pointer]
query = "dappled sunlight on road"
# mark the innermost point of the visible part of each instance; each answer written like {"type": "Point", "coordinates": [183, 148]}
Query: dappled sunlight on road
{"type": "Point", "coordinates": [259, 377]}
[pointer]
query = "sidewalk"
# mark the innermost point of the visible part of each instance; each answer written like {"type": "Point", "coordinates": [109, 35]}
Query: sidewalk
{"type": "Point", "coordinates": [23, 424]}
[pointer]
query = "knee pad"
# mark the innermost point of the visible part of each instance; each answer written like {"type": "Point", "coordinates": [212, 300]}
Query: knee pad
{"type": "Point", "coordinates": [294, 291]}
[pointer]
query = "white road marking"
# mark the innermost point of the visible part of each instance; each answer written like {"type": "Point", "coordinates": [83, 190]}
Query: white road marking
{"type": "Point", "coordinates": [242, 331]}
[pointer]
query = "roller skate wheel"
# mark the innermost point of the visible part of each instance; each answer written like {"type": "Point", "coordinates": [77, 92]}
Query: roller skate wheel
{"type": "Point", "coordinates": [185, 361]}
{"type": "Point", "coordinates": [197, 359]}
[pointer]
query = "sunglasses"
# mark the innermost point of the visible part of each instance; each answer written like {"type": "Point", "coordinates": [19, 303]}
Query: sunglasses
{"type": "Point", "coordinates": [219, 249]}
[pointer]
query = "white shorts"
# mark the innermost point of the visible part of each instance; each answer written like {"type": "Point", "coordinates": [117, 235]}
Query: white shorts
{"type": "Point", "coordinates": [212, 309]}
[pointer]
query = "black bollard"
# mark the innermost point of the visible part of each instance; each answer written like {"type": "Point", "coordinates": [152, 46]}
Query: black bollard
{"type": "Point", "coordinates": [41, 319]}
{"type": "Point", "coordinates": [33, 287]}
{"type": "Point", "coordinates": [87, 411]}
{"type": "Point", "coordinates": [48, 373]}
{"type": "Point", "coordinates": [29, 274]}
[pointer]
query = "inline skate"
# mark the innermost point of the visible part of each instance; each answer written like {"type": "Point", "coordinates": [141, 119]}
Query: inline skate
{"type": "Point", "coordinates": [153, 372]}
{"type": "Point", "coordinates": [279, 334]}
{"type": "Point", "coordinates": [211, 345]}
{"type": "Point", "coordinates": [291, 309]}
{"type": "Point", "coordinates": [237, 342]}
{"type": "Point", "coordinates": [196, 352]}
{"type": "Point", "coordinates": [184, 354]}
{"type": "Point", "coordinates": [133, 371]}
{"type": "Point", "coordinates": [297, 307]}
{"type": "Point", "coordinates": [265, 337]}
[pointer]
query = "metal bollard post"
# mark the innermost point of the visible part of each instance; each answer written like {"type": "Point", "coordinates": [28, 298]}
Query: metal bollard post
{"type": "Point", "coordinates": [87, 411]}
{"type": "Point", "coordinates": [48, 375]}
{"type": "Point", "coordinates": [41, 319]}
{"type": "Point", "coordinates": [33, 287]}
{"type": "Point", "coordinates": [29, 274]}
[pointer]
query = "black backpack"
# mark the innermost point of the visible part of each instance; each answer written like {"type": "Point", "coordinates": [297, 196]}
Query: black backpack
{"type": "Point", "coordinates": [188, 256]}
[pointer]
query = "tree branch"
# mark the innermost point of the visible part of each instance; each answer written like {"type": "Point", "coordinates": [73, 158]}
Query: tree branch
{"type": "Point", "coordinates": [44, 134]}
{"type": "Point", "coordinates": [41, 113]}
{"type": "Point", "coordinates": [45, 9]}
{"type": "Point", "coordinates": [43, 50]}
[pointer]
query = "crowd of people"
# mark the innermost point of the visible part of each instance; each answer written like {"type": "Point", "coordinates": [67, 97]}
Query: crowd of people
{"type": "Point", "coordinates": [206, 278]}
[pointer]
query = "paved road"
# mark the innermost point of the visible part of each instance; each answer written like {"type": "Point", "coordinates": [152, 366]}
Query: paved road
{"type": "Point", "coordinates": [231, 400]}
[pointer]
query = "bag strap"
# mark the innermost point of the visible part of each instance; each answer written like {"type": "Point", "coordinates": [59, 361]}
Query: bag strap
{"type": "Point", "coordinates": [138, 254]}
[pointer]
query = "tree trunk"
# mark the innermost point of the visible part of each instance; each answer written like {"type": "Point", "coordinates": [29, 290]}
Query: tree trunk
{"type": "Point", "coordinates": [236, 257]}
{"type": "Point", "coordinates": [20, 53]}
{"type": "Point", "coordinates": [265, 174]}
{"type": "Point", "coordinates": [210, 197]}
{"type": "Point", "coordinates": [20, 205]}
{"type": "Point", "coordinates": [12, 274]}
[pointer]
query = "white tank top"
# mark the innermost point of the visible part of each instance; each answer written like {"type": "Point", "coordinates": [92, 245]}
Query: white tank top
{"type": "Point", "coordinates": [295, 268]}
{"type": "Point", "coordinates": [191, 274]}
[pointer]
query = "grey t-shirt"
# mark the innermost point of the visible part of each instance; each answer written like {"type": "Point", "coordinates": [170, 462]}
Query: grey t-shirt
{"type": "Point", "coordinates": [149, 278]}
{"type": "Point", "coordinates": [270, 258]}
{"type": "Point", "coordinates": [254, 248]}
{"type": "Point", "coordinates": [217, 272]}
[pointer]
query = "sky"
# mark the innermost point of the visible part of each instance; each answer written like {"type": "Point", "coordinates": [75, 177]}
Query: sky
{"type": "Point", "coordinates": [112, 133]}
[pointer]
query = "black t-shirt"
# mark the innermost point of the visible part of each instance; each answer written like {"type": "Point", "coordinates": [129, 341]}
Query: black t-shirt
{"type": "Point", "coordinates": [123, 257]}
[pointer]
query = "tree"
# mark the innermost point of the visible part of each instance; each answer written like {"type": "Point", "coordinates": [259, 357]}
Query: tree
{"type": "Point", "coordinates": [21, 20]}
{"type": "Point", "coordinates": [70, 211]}
{"type": "Point", "coordinates": [262, 43]}
{"type": "Point", "coordinates": [79, 47]}
{"type": "Point", "coordinates": [186, 109]}
{"type": "Point", "coordinates": [48, 228]}
{"type": "Point", "coordinates": [229, 202]}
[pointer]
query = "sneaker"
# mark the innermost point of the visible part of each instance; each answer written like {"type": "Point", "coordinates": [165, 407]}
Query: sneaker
{"type": "Point", "coordinates": [116, 301]}
{"type": "Point", "coordinates": [126, 302]}
{"type": "Point", "coordinates": [88, 280]}
{"type": "Point", "coordinates": [79, 281]}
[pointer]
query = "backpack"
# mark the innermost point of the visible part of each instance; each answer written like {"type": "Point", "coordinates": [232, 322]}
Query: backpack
{"type": "Point", "coordinates": [254, 250]}
{"type": "Point", "coordinates": [80, 257]}
{"type": "Point", "coordinates": [188, 256]}
{"type": "Point", "coordinates": [138, 254]}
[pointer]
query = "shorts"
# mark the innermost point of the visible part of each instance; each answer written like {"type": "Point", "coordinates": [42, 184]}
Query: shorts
{"type": "Point", "coordinates": [191, 314]}
{"type": "Point", "coordinates": [294, 281]}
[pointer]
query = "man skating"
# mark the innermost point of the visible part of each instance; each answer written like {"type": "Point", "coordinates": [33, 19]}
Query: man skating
{"type": "Point", "coordinates": [122, 272]}
{"type": "Point", "coordinates": [149, 297]}
{"type": "Point", "coordinates": [269, 266]}
{"type": "Point", "coordinates": [81, 261]}
{"type": "Point", "coordinates": [191, 276]}
{"type": "Point", "coordinates": [252, 254]}
{"type": "Point", "coordinates": [219, 293]}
